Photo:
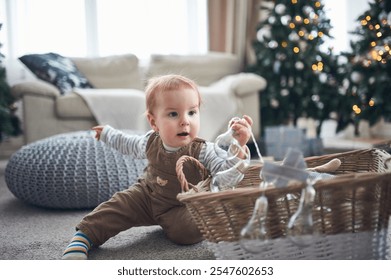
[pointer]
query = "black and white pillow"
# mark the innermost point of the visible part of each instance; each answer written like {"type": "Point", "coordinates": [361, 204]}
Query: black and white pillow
{"type": "Point", "coordinates": [57, 70]}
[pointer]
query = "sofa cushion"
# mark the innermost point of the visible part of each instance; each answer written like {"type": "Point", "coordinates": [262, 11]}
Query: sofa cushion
{"type": "Point", "coordinates": [72, 106]}
{"type": "Point", "coordinates": [57, 70]}
{"type": "Point", "coordinates": [117, 71]}
{"type": "Point", "coordinates": [203, 69]}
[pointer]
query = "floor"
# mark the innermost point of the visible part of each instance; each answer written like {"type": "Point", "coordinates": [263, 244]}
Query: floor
{"type": "Point", "coordinates": [9, 146]}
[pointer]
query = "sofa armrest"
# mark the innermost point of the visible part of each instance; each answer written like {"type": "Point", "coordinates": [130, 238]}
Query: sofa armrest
{"type": "Point", "coordinates": [244, 89]}
{"type": "Point", "coordinates": [242, 84]}
{"type": "Point", "coordinates": [248, 83]}
{"type": "Point", "coordinates": [37, 88]}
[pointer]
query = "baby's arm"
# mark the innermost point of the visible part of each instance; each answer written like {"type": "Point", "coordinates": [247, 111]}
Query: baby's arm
{"type": "Point", "coordinates": [134, 145]}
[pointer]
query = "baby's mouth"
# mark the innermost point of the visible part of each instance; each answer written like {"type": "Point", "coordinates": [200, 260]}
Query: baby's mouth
{"type": "Point", "coordinates": [183, 134]}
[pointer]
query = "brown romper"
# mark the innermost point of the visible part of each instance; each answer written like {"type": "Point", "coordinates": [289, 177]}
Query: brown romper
{"type": "Point", "coordinates": [150, 201]}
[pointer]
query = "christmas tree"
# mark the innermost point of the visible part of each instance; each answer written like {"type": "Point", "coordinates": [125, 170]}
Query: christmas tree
{"type": "Point", "coordinates": [368, 71]}
{"type": "Point", "coordinates": [9, 123]}
{"type": "Point", "coordinates": [302, 79]}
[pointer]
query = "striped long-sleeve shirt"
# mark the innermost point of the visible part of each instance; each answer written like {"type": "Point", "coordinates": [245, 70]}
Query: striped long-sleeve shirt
{"type": "Point", "coordinates": [135, 145]}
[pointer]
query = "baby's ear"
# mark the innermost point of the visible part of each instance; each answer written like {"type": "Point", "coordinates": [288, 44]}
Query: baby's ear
{"type": "Point", "coordinates": [152, 121]}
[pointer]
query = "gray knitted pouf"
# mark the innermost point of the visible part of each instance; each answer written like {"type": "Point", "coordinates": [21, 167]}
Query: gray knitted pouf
{"type": "Point", "coordinates": [70, 171]}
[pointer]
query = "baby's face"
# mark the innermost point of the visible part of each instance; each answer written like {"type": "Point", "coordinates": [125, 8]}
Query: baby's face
{"type": "Point", "coordinates": [176, 117]}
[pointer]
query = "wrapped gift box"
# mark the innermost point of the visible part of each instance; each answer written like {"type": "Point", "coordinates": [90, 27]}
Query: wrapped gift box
{"type": "Point", "coordinates": [279, 138]}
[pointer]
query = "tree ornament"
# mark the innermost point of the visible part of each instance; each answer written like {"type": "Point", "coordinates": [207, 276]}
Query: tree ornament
{"type": "Point", "coordinates": [284, 92]}
{"type": "Point", "coordinates": [272, 20]}
{"type": "Point", "coordinates": [285, 20]}
{"type": "Point", "coordinates": [342, 60]}
{"type": "Point", "coordinates": [312, 15]}
{"type": "Point", "coordinates": [345, 83]}
{"type": "Point", "coordinates": [323, 78]}
{"type": "Point", "coordinates": [320, 105]}
{"type": "Point", "coordinates": [293, 36]}
{"type": "Point", "coordinates": [299, 65]}
{"type": "Point", "coordinates": [333, 115]}
{"type": "Point", "coordinates": [342, 91]}
{"type": "Point", "coordinates": [356, 77]}
{"type": "Point", "coordinates": [272, 44]}
{"type": "Point", "coordinates": [281, 56]}
{"type": "Point", "coordinates": [276, 67]}
{"type": "Point", "coordinates": [264, 32]}
{"type": "Point", "coordinates": [291, 82]}
{"type": "Point", "coordinates": [315, 98]}
{"type": "Point", "coordinates": [280, 9]}
{"type": "Point", "coordinates": [308, 10]}
{"type": "Point", "coordinates": [274, 103]}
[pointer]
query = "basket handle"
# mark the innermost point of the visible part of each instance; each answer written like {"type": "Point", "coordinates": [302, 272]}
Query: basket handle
{"type": "Point", "coordinates": [181, 175]}
{"type": "Point", "coordinates": [387, 163]}
{"type": "Point", "coordinates": [329, 166]}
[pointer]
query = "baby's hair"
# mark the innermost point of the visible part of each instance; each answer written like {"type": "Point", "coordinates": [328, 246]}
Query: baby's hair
{"type": "Point", "coordinates": [161, 84]}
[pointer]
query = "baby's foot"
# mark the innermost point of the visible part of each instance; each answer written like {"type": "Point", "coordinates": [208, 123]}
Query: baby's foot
{"type": "Point", "coordinates": [78, 247]}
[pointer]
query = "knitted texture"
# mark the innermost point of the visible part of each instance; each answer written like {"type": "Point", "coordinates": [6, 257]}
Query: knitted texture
{"type": "Point", "coordinates": [70, 171]}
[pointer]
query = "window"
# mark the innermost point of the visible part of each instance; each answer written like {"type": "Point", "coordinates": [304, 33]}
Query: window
{"type": "Point", "coordinates": [101, 27]}
{"type": "Point", "coordinates": [37, 26]}
{"type": "Point", "coordinates": [150, 26]}
{"type": "Point", "coordinates": [343, 17]}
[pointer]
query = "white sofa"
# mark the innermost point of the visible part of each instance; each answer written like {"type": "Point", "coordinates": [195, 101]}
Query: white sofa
{"type": "Point", "coordinates": [226, 92]}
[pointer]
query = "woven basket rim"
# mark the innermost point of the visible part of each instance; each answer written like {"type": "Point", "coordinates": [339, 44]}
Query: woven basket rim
{"type": "Point", "coordinates": [358, 151]}
{"type": "Point", "coordinates": [294, 186]}
{"type": "Point", "coordinates": [337, 181]}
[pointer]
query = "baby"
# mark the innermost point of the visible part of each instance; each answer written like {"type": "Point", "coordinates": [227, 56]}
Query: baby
{"type": "Point", "coordinates": [173, 112]}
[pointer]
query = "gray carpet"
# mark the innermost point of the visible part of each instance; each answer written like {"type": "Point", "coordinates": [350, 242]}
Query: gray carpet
{"type": "Point", "coordinates": [28, 232]}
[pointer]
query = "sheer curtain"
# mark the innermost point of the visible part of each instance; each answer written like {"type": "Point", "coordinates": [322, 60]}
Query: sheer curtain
{"type": "Point", "coordinates": [100, 27]}
{"type": "Point", "coordinates": [232, 26]}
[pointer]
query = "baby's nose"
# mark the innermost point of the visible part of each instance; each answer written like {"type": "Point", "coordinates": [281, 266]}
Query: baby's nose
{"type": "Point", "coordinates": [184, 121]}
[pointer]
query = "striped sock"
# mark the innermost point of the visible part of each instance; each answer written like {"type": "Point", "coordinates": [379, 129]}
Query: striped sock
{"type": "Point", "coordinates": [78, 247]}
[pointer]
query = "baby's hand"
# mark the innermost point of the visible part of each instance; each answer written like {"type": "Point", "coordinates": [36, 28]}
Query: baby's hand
{"type": "Point", "coordinates": [242, 131]}
{"type": "Point", "coordinates": [98, 129]}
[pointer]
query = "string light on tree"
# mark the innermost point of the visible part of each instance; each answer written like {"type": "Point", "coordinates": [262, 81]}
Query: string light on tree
{"type": "Point", "coordinates": [369, 65]}
{"type": "Point", "coordinates": [289, 57]}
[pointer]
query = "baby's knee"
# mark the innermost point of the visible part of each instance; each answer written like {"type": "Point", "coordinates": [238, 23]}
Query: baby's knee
{"type": "Point", "coordinates": [180, 227]}
{"type": "Point", "coordinates": [184, 237]}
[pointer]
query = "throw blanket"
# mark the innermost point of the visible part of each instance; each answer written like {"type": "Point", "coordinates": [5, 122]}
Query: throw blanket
{"type": "Point", "coordinates": [120, 108]}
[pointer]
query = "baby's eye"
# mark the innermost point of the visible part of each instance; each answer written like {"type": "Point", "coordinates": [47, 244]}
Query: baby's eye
{"type": "Point", "coordinates": [173, 114]}
{"type": "Point", "coordinates": [192, 113]}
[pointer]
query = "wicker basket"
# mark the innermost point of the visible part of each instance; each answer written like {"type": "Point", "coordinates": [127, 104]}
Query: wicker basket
{"type": "Point", "coordinates": [351, 212]}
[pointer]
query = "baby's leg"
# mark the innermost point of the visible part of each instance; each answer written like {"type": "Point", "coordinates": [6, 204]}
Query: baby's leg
{"type": "Point", "coordinates": [124, 210]}
{"type": "Point", "coordinates": [179, 226]}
